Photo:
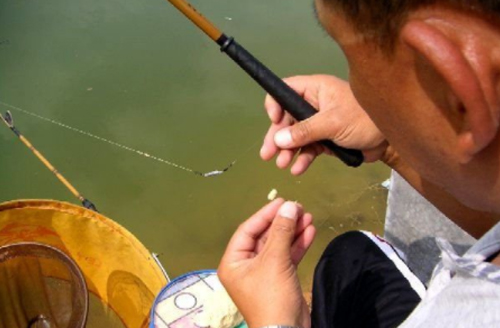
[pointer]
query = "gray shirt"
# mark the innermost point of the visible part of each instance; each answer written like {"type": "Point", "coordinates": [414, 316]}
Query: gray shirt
{"type": "Point", "coordinates": [412, 225]}
{"type": "Point", "coordinates": [464, 290]}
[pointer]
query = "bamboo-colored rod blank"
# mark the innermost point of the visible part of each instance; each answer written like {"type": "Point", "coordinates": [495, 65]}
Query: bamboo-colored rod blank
{"type": "Point", "coordinates": [204, 24]}
{"type": "Point", "coordinates": [51, 168]}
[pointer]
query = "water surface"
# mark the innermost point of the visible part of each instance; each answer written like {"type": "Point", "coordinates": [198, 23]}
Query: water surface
{"type": "Point", "coordinates": [139, 73]}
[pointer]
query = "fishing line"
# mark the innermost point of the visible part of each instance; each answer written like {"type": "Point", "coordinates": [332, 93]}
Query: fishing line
{"type": "Point", "coordinates": [376, 189]}
{"type": "Point", "coordinates": [116, 144]}
{"type": "Point", "coordinates": [289, 100]}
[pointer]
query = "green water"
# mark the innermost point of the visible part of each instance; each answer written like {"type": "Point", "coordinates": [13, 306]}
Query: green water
{"type": "Point", "coordinates": [138, 73]}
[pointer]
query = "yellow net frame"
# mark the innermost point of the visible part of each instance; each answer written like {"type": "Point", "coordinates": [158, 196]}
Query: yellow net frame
{"type": "Point", "coordinates": [118, 269]}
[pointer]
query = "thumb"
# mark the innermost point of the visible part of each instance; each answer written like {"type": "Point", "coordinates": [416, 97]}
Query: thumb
{"type": "Point", "coordinates": [304, 132]}
{"type": "Point", "coordinates": [282, 231]}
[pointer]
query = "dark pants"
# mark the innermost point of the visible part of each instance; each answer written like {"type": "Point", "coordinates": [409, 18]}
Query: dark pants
{"type": "Point", "coordinates": [356, 285]}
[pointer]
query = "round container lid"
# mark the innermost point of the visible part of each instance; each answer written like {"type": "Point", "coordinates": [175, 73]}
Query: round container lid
{"type": "Point", "coordinates": [181, 301]}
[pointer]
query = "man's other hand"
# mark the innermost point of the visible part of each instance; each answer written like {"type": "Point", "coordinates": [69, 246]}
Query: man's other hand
{"type": "Point", "coordinates": [340, 119]}
{"type": "Point", "coordinates": [259, 267]}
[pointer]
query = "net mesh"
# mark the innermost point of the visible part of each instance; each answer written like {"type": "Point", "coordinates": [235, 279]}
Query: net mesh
{"type": "Point", "coordinates": [40, 286]}
{"type": "Point", "coordinates": [120, 274]}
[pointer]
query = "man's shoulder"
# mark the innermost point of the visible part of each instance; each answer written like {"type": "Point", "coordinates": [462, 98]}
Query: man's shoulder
{"type": "Point", "coordinates": [411, 225]}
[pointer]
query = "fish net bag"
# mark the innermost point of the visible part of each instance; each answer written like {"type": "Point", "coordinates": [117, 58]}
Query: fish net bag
{"type": "Point", "coordinates": [40, 286]}
{"type": "Point", "coordinates": [121, 276]}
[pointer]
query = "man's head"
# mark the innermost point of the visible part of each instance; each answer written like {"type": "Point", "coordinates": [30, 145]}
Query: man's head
{"type": "Point", "coordinates": [428, 74]}
{"type": "Point", "coordinates": [382, 19]}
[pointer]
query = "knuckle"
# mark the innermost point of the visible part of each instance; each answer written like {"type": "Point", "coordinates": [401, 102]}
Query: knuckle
{"type": "Point", "coordinates": [302, 131]}
{"type": "Point", "coordinates": [283, 228]}
{"type": "Point", "coordinates": [342, 134]}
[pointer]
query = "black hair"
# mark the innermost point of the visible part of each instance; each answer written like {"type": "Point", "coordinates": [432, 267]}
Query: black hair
{"type": "Point", "coordinates": [382, 19]}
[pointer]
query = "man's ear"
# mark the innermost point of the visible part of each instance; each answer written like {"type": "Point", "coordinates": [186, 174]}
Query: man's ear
{"type": "Point", "coordinates": [447, 57]}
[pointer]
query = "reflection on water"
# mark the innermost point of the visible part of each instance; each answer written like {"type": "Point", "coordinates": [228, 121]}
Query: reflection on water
{"type": "Point", "coordinates": [138, 73]}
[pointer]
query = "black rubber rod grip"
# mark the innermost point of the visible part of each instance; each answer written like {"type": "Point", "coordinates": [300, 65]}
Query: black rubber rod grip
{"type": "Point", "coordinates": [289, 100]}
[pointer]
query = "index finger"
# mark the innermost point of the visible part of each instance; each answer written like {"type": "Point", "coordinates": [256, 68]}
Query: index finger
{"type": "Point", "coordinates": [243, 242]}
{"type": "Point", "coordinates": [306, 86]}
{"type": "Point", "coordinates": [274, 110]}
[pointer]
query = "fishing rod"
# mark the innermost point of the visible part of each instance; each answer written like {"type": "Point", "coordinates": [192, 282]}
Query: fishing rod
{"type": "Point", "coordinates": [289, 100]}
{"type": "Point", "coordinates": [9, 121]}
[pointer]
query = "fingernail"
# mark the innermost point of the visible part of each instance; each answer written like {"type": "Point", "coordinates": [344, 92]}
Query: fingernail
{"type": "Point", "coordinates": [288, 210]}
{"type": "Point", "coordinates": [283, 138]}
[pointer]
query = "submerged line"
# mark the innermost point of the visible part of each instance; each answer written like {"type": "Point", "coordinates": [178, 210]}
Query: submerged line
{"type": "Point", "coordinates": [116, 144]}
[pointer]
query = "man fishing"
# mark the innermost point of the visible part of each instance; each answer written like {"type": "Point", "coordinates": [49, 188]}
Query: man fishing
{"type": "Point", "coordinates": [423, 97]}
